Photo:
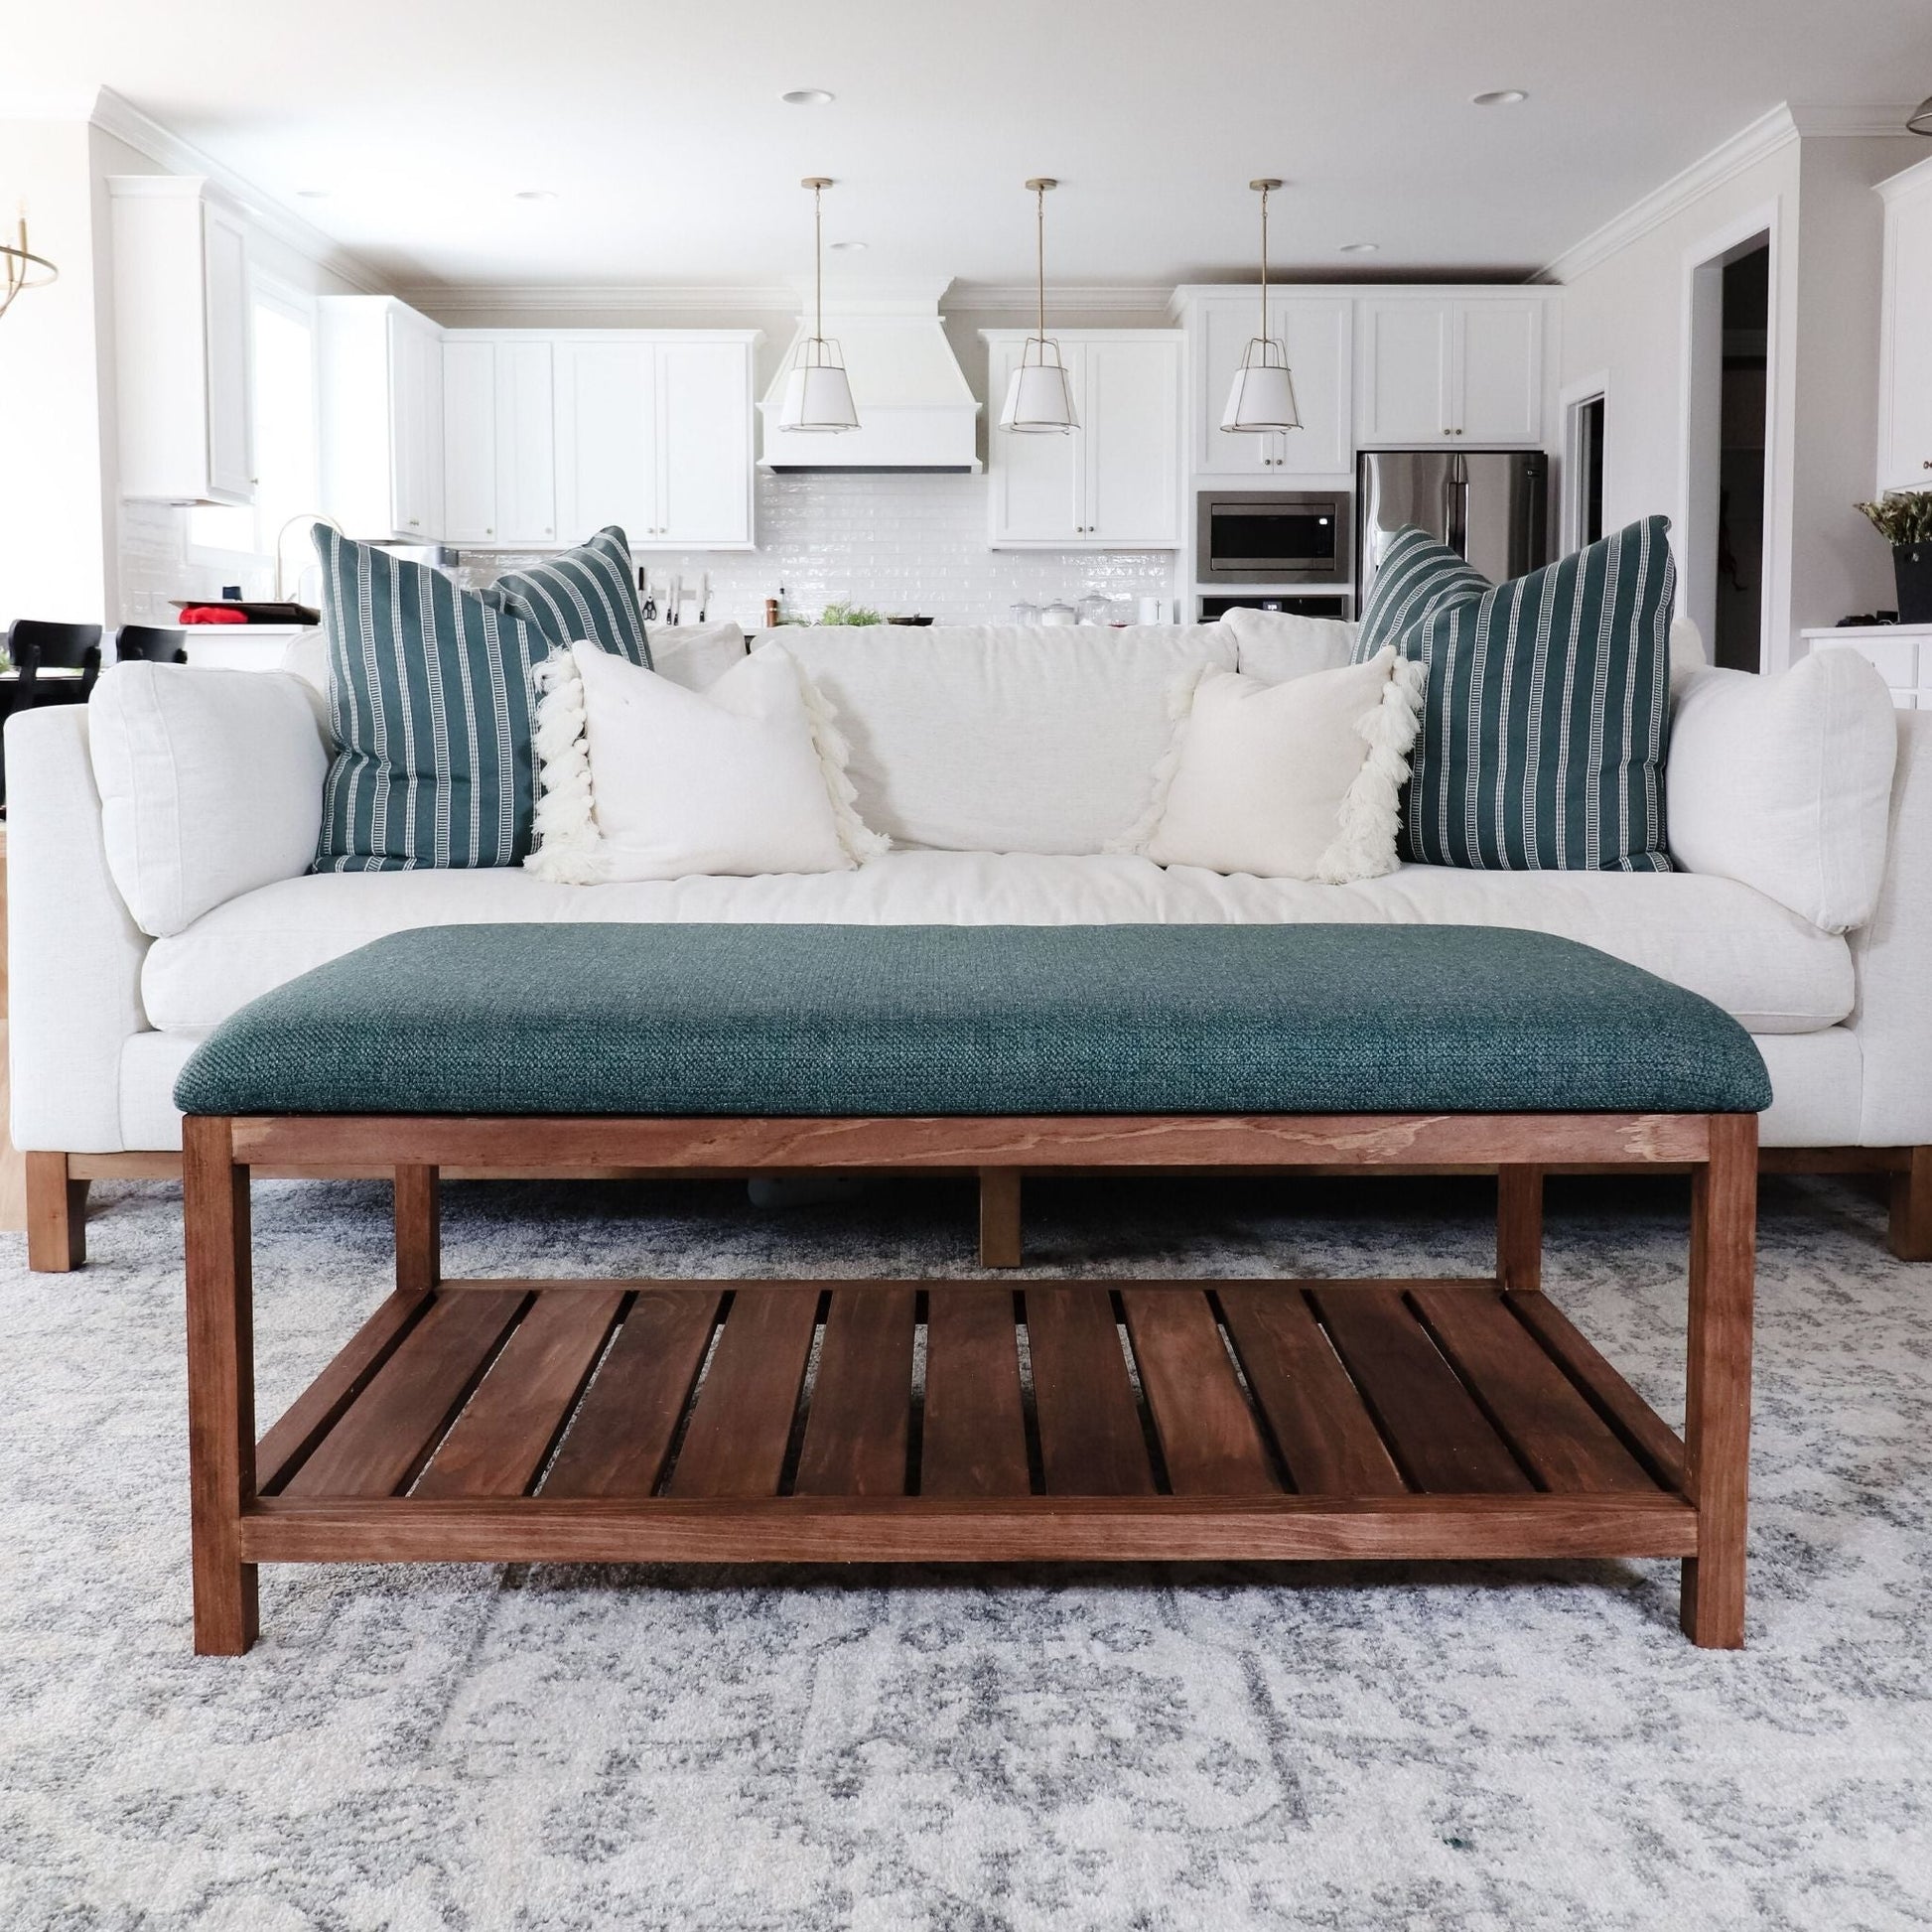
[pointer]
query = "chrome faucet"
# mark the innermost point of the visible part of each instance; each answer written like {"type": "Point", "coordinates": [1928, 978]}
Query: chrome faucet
{"type": "Point", "coordinates": [301, 516]}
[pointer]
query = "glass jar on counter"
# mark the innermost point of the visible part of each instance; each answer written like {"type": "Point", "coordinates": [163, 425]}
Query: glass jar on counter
{"type": "Point", "coordinates": [1023, 613]}
{"type": "Point", "coordinates": [1096, 608]}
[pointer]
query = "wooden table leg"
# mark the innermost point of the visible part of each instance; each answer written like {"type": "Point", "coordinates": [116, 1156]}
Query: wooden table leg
{"type": "Point", "coordinates": [1911, 1206]}
{"type": "Point", "coordinates": [1717, 1394]}
{"type": "Point", "coordinates": [419, 1230]}
{"type": "Point", "coordinates": [999, 1237]}
{"type": "Point", "coordinates": [56, 1215]}
{"type": "Point", "coordinates": [220, 1385]}
{"type": "Point", "coordinates": [1519, 1227]}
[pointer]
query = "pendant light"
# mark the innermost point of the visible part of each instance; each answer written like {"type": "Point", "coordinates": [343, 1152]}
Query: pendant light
{"type": "Point", "coordinates": [1921, 121]}
{"type": "Point", "coordinates": [21, 268]}
{"type": "Point", "coordinates": [1039, 398]}
{"type": "Point", "coordinates": [1262, 400]}
{"type": "Point", "coordinates": [817, 394]}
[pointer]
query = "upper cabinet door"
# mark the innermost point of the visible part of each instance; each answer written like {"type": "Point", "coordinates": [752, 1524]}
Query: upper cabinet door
{"type": "Point", "coordinates": [1131, 425]}
{"type": "Point", "coordinates": [469, 441]}
{"type": "Point", "coordinates": [1407, 396]}
{"type": "Point", "coordinates": [1316, 333]}
{"type": "Point", "coordinates": [1037, 491]}
{"type": "Point", "coordinates": [703, 447]}
{"type": "Point", "coordinates": [523, 407]}
{"type": "Point", "coordinates": [605, 413]}
{"type": "Point", "coordinates": [1497, 369]}
{"type": "Point", "coordinates": [231, 424]}
{"type": "Point", "coordinates": [416, 424]}
{"type": "Point", "coordinates": [1905, 381]}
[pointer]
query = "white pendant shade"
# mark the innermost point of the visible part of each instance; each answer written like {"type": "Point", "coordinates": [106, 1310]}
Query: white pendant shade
{"type": "Point", "coordinates": [818, 397]}
{"type": "Point", "coordinates": [1039, 400]}
{"type": "Point", "coordinates": [1262, 396]}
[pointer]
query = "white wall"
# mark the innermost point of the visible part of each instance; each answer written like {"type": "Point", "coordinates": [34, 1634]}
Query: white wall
{"type": "Point", "coordinates": [51, 548]}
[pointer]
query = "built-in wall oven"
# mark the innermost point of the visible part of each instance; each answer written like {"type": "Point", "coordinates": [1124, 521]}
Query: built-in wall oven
{"type": "Point", "coordinates": [1255, 536]}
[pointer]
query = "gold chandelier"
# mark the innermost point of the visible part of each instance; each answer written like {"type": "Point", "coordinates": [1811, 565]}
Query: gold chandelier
{"type": "Point", "coordinates": [23, 268]}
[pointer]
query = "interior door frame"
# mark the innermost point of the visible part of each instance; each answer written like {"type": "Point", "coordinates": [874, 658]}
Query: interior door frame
{"type": "Point", "coordinates": [1701, 429]}
{"type": "Point", "coordinates": [1574, 399]}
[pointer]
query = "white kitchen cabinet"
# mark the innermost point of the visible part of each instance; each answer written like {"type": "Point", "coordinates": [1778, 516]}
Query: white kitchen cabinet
{"type": "Point", "coordinates": [1316, 333]}
{"type": "Point", "coordinates": [654, 431]}
{"type": "Point", "coordinates": [181, 357]}
{"type": "Point", "coordinates": [1114, 483]}
{"type": "Point", "coordinates": [1444, 369]}
{"type": "Point", "coordinates": [382, 407]}
{"type": "Point", "coordinates": [499, 479]}
{"type": "Point", "coordinates": [1905, 353]}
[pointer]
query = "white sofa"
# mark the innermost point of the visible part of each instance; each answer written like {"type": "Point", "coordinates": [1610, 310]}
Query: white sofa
{"type": "Point", "coordinates": [159, 837]}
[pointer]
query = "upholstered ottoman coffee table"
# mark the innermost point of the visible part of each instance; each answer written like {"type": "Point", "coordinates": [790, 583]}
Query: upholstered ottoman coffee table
{"type": "Point", "coordinates": [807, 1422]}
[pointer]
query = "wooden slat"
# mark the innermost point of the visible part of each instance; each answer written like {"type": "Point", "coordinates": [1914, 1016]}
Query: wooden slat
{"type": "Point", "coordinates": [1090, 1439]}
{"type": "Point", "coordinates": [1001, 1242]}
{"type": "Point", "coordinates": [1208, 1438]}
{"type": "Point", "coordinates": [944, 1143]}
{"type": "Point", "coordinates": [1637, 1424]}
{"type": "Point", "coordinates": [861, 1398]}
{"type": "Point", "coordinates": [742, 1420]}
{"type": "Point", "coordinates": [624, 1428]}
{"type": "Point", "coordinates": [499, 1443]}
{"type": "Point", "coordinates": [1519, 1226]}
{"type": "Point", "coordinates": [1327, 1439]}
{"type": "Point", "coordinates": [320, 1406]}
{"type": "Point", "coordinates": [1567, 1445]}
{"type": "Point", "coordinates": [1442, 1439]}
{"type": "Point", "coordinates": [930, 1529]}
{"type": "Point", "coordinates": [974, 1438]}
{"type": "Point", "coordinates": [393, 1424]}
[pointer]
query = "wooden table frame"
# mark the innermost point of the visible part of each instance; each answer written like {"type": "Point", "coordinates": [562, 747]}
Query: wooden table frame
{"type": "Point", "coordinates": [1578, 1465]}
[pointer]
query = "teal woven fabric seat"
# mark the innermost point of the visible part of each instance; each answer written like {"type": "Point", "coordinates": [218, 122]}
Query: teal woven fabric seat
{"type": "Point", "coordinates": [829, 1019]}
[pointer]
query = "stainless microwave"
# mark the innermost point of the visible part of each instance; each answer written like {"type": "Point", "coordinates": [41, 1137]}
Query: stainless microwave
{"type": "Point", "coordinates": [1253, 536]}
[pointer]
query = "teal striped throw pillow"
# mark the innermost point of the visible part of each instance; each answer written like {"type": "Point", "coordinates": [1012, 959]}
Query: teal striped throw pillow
{"type": "Point", "coordinates": [1413, 576]}
{"type": "Point", "coordinates": [1542, 725]}
{"type": "Point", "coordinates": [430, 695]}
{"type": "Point", "coordinates": [584, 595]}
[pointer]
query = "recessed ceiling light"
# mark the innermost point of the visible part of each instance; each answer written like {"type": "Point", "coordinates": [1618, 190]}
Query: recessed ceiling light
{"type": "Point", "coordinates": [847, 247]}
{"type": "Point", "coordinates": [536, 193]}
{"type": "Point", "coordinates": [1360, 247]}
{"type": "Point", "coordinates": [1500, 97]}
{"type": "Point", "coordinates": [313, 194]}
{"type": "Point", "coordinates": [808, 98]}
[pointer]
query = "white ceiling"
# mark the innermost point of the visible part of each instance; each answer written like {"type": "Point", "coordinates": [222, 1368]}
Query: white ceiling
{"type": "Point", "coordinates": [660, 130]}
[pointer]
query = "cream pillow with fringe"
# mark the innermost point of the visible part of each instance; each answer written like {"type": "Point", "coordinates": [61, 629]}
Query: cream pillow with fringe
{"type": "Point", "coordinates": [1295, 781]}
{"type": "Point", "coordinates": [641, 778]}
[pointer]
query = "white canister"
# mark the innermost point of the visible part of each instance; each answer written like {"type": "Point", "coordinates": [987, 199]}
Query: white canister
{"type": "Point", "coordinates": [1059, 613]}
{"type": "Point", "coordinates": [1151, 610]}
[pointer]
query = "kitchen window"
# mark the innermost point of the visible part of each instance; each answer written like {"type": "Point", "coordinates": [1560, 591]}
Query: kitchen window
{"type": "Point", "coordinates": [282, 382]}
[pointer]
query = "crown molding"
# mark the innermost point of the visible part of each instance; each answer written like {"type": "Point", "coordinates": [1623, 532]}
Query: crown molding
{"type": "Point", "coordinates": [1854, 120]}
{"type": "Point", "coordinates": [1764, 137]}
{"type": "Point", "coordinates": [113, 114]}
{"type": "Point", "coordinates": [1099, 298]}
{"type": "Point", "coordinates": [523, 298]}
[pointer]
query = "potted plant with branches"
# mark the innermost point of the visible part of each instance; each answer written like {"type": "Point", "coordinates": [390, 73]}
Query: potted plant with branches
{"type": "Point", "coordinates": [1903, 517]}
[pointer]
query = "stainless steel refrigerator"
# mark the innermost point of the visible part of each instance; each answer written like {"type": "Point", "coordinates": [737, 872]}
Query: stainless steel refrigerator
{"type": "Point", "coordinates": [1491, 505]}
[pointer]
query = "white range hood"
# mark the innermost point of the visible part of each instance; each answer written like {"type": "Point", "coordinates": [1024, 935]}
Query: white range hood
{"type": "Point", "coordinates": [915, 411]}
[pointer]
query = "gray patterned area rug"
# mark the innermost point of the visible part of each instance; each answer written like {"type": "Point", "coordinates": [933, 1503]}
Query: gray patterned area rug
{"type": "Point", "coordinates": [531, 1747]}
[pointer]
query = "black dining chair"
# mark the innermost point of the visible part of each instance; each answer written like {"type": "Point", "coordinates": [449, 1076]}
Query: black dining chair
{"type": "Point", "coordinates": [35, 645]}
{"type": "Point", "coordinates": [148, 643]}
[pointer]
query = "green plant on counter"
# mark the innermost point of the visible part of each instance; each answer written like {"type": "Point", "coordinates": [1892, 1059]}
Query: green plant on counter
{"type": "Point", "coordinates": [1903, 517]}
{"type": "Point", "coordinates": [842, 612]}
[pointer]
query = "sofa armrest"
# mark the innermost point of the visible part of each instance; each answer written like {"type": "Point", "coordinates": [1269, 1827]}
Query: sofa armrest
{"type": "Point", "coordinates": [73, 954]}
{"type": "Point", "coordinates": [1893, 952]}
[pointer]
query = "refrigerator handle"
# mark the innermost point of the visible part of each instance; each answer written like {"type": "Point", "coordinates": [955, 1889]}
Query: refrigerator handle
{"type": "Point", "coordinates": [1455, 506]}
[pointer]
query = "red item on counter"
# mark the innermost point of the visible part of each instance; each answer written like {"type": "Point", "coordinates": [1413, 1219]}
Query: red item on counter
{"type": "Point", "coordinates": [210, 614]}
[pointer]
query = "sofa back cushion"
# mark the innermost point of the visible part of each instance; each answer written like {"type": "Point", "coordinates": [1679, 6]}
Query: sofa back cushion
{"type": "Point", "coordinates": [1276, 645]}
{"type": "Point", "coordinates": [210, 781]}
{"type": "Point", "coordinates": [1006, 738]}
{"type": "Point", "coordinates": [1785, 782]}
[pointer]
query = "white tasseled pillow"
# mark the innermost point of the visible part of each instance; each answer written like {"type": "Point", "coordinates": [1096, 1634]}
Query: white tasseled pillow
{"type": "Point", "coordinates": [643, 778]}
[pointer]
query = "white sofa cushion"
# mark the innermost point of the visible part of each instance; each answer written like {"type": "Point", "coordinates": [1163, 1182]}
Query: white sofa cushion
{"type": "Point", "coordinates": [1754, 958]}
{"type": "Point", "coordinates": [1008, 738]}
{"type": "Point", "coordinates": [640, 778]}
{"type": "Point", "coordinates": [1276, 645]}
{"type": "Point", "coordinates": [210, 784]}
{"type": "Point", "coordinates": [1785, 782]}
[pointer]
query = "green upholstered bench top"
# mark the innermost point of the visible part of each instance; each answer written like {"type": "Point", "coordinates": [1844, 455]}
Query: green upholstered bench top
{"type": "Point", "coordinates": [854, 1020]}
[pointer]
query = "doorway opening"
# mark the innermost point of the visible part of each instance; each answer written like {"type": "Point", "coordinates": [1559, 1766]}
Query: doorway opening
{"type": "Point", "coordinates": [1584, 410]}
{"type": "Point", "coordinates": [1723, 541]}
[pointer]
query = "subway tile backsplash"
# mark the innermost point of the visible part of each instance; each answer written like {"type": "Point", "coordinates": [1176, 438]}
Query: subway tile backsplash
{"type": "Point", "coordinates": [903, 544]}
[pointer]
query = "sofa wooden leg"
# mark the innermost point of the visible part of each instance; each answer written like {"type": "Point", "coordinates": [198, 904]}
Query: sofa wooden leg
{"type": "Point", "coordinates": [56, 1215]}
{"type": "Point", "coordinates": [1718, 1391]}
{"type": "Point", "coordinates": [220, 1385]}
{"type": "Point", "coordinates": [1519, 1227]}
{"type": "Point", "coordinates": [999, 1237]}
{"type": "Point", "coordinates": [1911, 1206]}
{"type": "Point", "coordinates": [419, 1230]}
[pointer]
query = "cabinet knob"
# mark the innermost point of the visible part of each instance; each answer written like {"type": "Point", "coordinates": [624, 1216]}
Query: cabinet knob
{"type": "Point", "coordinates": [415, 522]}
{"type": "Point", "coordinates": [1927, 464]}
{"type": "Point", "coordinates": [488, 531]}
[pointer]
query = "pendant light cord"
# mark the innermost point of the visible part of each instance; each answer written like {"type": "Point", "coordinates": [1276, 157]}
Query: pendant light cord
{"type": "Point", "coordinates": [818, 264]}
{"type": "Point", "coordinates": [1264, 264]}
{"type": "Point", "coordinates": [1039, 257]}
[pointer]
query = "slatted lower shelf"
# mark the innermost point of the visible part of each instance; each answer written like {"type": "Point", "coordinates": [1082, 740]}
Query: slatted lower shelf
{"type": "Point", "coordinates": [882, 1420]}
